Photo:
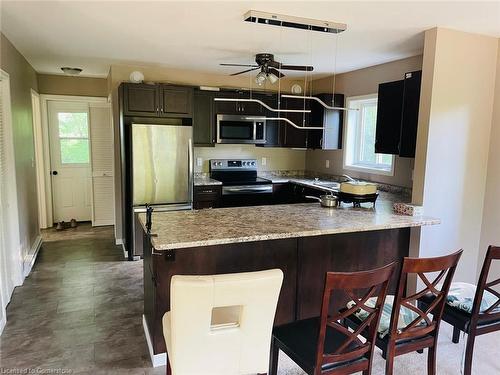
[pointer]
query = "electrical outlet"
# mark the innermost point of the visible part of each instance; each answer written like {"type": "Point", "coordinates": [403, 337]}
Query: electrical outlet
{"type": "Point", "coordinates": [327, 163]}
{"type": "Point", "coordinates": [264, 161]}
{"type": "Point", "coordinates": [199, 162]}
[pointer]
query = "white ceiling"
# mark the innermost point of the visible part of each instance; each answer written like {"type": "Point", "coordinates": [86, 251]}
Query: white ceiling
{"type": "Point", "coordinates": [200, 35]}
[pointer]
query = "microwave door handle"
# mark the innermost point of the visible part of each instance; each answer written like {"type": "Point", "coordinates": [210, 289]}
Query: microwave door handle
{"type": "Point", "coordinates": [255, 130]}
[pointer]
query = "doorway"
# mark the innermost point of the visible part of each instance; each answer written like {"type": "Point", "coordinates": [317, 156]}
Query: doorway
{"type": "Point", "coordinates": [70, 160]}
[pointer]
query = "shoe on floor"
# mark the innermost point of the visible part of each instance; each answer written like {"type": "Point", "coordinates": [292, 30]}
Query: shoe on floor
{"type": "Point", "coordinates": [73, 223]}
{"type": "Point", "coordinates": [60, 225]}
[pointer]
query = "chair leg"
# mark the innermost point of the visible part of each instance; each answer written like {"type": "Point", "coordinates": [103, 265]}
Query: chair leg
{"type": "Point", "coordinates": [273, 363]}
{"type": "Point", "coordinates": [456, 335]}
{"type": "Point", "coordinates": [389, 361]}
{"type": "Point", "coordinates": [169, 369]}
{"type": "Point", "coordinates": [420, 351]}
{"type": "Point", "coordinates": [469, 353]}
{"type": "Point", "coordinates": [431, 360]}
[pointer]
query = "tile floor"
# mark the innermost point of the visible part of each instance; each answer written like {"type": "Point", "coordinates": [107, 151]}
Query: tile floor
{"type": "Point", "coordinates": [80, 312]}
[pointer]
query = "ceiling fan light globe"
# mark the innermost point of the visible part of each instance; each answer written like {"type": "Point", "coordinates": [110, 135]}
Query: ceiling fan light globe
{"type": "Point", "coordinates": [272, 78]}
{"type": "Point", "coordinates": [260, 79]}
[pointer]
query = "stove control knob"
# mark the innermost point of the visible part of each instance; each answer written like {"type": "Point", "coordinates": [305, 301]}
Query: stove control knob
{"type": "Point", "coordinates": [220, 164]}
{"type": "Point", "coordinates": [253, 163]}
{"type": "Point", "coordinates": [244, 163]}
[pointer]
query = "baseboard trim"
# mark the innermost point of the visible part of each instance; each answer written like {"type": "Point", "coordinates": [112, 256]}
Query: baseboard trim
{"type": "Point", "coordinates": [125, 252]}
{"type": "Point", "coordinates": [30, 258]}
{"type": "Point", "coordinates": [156, 359]}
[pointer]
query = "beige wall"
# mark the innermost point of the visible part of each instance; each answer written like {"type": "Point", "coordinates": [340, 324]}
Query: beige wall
{"type": "Point", "coordinates": [276, 158]}
{"type": "Point", "coordinates": [22, 80]}
{"type": "Point", "coordinates": [490, 234]}
{"type": "Point", "coordinates": [363, 82]}
{"type": "Point", "coordinates": [453, 142]}
{"type": "Point", "coordinates": [68, 85]}
{"type": "Point", "coordinates": [283, 159]}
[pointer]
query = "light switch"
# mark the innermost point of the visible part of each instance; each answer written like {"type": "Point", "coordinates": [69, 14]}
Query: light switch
{"type": "Point", "coordinates": [327, 163]}
{"type": "Point", "coordinates": [264, 161]}
{"type": "Point", "coordinates": [199, 162]}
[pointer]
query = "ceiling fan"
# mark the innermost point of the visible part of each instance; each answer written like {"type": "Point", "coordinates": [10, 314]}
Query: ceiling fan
{"type": "Point", "coordinates": [269, 68]}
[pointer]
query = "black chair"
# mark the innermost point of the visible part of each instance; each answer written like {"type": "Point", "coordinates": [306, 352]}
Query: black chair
{"type": "Point", "coordinates": [323, 345]}
{"type": "Point", "coordinates": [422, 331]}
{"type": "Point", "coordinates": [477, 322]}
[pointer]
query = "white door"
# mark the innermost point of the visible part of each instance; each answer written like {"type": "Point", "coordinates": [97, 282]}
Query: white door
{"type": "Point", "coordinates": [70, 160]}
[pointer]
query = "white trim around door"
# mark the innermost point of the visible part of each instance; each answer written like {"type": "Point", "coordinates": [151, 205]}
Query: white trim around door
{"type": "Point", "coordinates": [11, 264]}
{"type": "Point", "coordinates": [45, 99]}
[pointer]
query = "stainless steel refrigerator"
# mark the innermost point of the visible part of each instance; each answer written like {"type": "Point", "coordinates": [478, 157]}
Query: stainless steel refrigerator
{"type": "Point", "coordinates": [162, 168]}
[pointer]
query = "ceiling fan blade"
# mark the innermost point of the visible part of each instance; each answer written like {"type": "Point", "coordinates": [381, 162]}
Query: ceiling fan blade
{"type": "Point", "coordinates": [276, 72]}
{"type": "Point", "coordinates": [304, 68]}
{"type": "Point", "coordinates": [252, 65]}
{"type": "Point", "coordinates": [245, 71]}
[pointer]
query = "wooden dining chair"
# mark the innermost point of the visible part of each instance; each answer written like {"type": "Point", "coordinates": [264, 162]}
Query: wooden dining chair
{"type": "Point", "coordinates": [411, 328]}
{"type": "Point", "coordinates": [483, 316]}
{"type": "Point", "coordinates": [323, 345]}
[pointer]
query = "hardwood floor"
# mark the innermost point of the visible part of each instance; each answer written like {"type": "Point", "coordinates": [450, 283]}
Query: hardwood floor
{"type": "Point", "coordinates": [80, 309]}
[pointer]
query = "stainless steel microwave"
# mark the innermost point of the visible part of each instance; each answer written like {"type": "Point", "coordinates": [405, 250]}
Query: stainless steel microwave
{"type": "Point", "coordinates": [241, 129]}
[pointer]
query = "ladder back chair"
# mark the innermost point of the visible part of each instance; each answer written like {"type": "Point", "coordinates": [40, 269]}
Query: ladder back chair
{"type": "Point", "coordinates": [410, 327]}
{"type": "Point", "coordinates": [484, 314]}
{"type": "Point", "coordinates": [323, 345]}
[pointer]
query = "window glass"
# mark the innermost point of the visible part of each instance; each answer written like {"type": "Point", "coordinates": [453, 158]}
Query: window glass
{"type": "Point", "coordinates": [360, 141]}
{"type": "Point", "coordinates": [74, 137]}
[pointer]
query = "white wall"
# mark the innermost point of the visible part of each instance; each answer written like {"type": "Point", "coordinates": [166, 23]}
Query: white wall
{"type": "Point", "coordinates": [453, 142]}
{"type": "Point", "coordinates": [490, 234]}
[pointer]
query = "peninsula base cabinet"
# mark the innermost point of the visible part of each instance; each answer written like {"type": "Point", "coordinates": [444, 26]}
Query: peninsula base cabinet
{"type": "Point", "coordinates": [304, 262]}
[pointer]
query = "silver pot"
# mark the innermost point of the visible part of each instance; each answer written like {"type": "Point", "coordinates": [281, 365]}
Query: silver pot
{"type": "Point", "coordinates": [326, 200]}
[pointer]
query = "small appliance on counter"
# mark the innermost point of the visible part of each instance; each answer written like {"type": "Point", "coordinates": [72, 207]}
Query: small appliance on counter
{"type": "Point", "coordinates": [358, 192]}
{"type": "Point", "coordinates": [240, 184]}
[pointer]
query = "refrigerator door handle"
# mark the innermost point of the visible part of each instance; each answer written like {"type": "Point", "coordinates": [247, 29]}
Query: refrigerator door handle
{"type": "Point", "coordinates": [190, 166]}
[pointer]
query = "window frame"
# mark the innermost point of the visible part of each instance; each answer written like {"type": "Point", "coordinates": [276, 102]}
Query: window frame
{"type": "Point", "coordinates": [352, 141]}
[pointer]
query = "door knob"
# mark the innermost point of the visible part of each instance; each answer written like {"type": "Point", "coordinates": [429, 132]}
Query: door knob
{"type": "Point", "coordinates": [54, 173]}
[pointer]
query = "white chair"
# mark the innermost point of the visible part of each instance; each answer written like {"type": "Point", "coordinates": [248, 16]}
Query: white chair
{"type": "Point", "coordinates": [221, 324]}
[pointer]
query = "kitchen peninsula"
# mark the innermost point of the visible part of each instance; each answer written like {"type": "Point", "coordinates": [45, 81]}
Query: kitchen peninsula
{"type": "Point", "coordinates": [304, 240]}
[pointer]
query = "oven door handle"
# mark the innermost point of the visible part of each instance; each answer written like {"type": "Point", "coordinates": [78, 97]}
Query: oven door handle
{"type": "Point", "coordinates": [252, 189]}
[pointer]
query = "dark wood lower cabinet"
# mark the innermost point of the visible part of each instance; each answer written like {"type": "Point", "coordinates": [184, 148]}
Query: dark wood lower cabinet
{"type": "Point", "coordinates": [304, 262]}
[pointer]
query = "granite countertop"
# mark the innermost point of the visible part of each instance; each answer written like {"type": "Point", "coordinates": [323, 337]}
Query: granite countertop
{"type": "Point", "coordinates": [205, 181]}
{"type": "Point", "coordinates": [183, 229]}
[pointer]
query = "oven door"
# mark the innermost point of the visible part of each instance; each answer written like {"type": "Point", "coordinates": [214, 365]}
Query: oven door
{"type": "Point", "coordinates": [247, 195]}
{"type": "Point", "coordinates": [238, 129]}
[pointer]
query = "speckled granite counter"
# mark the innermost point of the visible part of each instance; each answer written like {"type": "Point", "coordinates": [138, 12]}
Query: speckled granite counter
{"type": "Point", "coordinates": [183, 229]}
{"type": "Point", "coordinates": [205, 181]}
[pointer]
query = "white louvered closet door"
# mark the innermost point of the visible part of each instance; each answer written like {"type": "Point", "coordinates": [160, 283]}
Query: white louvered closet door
{"type": "Point", "coordinates": [101, 131]}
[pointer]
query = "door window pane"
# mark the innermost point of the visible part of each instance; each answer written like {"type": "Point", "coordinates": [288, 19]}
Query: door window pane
{"type": "Point", "coordinates": [73, 131]}
{"type": "Point", "coordinates": [73, 125]}
{"type": "Point", "coordinates": [74, 151]}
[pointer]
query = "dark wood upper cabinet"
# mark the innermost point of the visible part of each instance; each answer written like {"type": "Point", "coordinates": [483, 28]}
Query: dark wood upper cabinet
{"type": "Point", "coordinates": [330, 139]}
{"type": "Point", "coordinates": [176, 101]}
{"type": "Point", "coordinates": [397, 116]}
{"type": "Point", "coordinates": [237, 108]}
{"type": "Point", "coordinates": [204, 118]}
{"type": "Point", "coordinates": [389, 110]}
{"type": "Point", "coordinates": [411, 101]}
{"type": "Point", "coordinates": [293, 137]}
{"type": "Point", "coordinates": [157, 100]}
{"type": "Point", "coordinates": [140, 100]}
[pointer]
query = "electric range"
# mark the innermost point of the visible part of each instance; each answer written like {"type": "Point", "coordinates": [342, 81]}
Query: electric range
{"type": "Point", "coordinates": [240, 184]}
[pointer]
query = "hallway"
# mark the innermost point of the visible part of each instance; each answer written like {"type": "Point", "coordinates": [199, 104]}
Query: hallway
{"type": "Point", "coordinates": [80, 309]}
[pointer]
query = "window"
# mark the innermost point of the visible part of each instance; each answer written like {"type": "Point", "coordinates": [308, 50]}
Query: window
{"type": "Point", "coordinates": [74, 137]}
{"type": "Point", "coordinates": [359, 146]}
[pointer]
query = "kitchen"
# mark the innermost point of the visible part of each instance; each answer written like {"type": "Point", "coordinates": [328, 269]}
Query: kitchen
{"type": "Point", "coordinates": [306, 150]}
